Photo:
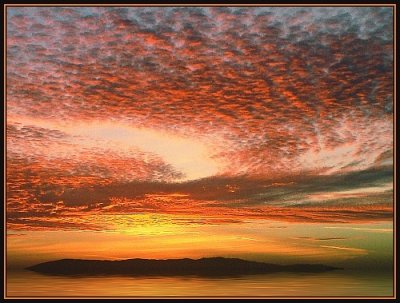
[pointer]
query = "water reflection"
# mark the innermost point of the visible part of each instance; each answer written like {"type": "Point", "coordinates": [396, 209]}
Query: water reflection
{"type": "Point", "coordinates": [338, 283]}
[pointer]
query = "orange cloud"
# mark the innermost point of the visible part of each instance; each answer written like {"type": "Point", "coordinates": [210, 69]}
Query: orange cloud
{"type": "Point", "coordinates": [99, 99]}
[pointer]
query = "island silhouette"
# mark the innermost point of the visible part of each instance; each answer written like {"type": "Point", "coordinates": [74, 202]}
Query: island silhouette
{"type": "Point", "coordinates": [215, 266]}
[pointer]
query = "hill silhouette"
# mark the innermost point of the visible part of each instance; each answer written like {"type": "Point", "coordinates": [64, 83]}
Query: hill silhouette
{"type": "Point", "coordinates": [217, 266]}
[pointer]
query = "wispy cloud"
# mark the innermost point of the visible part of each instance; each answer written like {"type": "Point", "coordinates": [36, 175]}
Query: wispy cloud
{"type": "Point", "coordinates": [377, 230]}
{"type": "Point", "coordinates": [320, 239]}
{"type": "Point", "coordinates": [358, 250]}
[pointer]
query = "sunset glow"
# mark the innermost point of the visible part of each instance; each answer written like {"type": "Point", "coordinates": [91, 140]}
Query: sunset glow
{"type": "Point", "coordinates": [263, 133]}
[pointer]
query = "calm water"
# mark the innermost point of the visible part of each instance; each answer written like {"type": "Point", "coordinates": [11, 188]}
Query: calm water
{"type": "Point", "coordinates": [337, 283]}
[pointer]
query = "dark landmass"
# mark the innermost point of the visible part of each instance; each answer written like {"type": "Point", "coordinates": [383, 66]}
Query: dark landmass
{"type": "Point", "coordinates": [172, 267]}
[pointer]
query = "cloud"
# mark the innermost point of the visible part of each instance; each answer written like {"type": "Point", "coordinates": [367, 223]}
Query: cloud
{"type": "Point", "coordinates": [217, 199]}
{"type": "Point", "coordinates": [126, 103]}
{"type": "Point", "coordinates": [359, 250]}
{"type": "Point", "coordinates": [320, 239]}
{"type": "Point", "coordinates": [378, 230]}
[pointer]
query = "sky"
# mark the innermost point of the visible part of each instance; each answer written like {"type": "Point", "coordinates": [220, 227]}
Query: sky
{"type": "Point", "coordinates": [260, 132]}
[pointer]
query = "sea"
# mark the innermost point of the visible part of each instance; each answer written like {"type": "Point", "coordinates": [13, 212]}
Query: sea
{"type": "Point", "coordinates": [338, 283]}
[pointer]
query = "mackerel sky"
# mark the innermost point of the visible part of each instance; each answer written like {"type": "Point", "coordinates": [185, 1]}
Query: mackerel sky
{"type": "Point", "coordinates": [226, 111]}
